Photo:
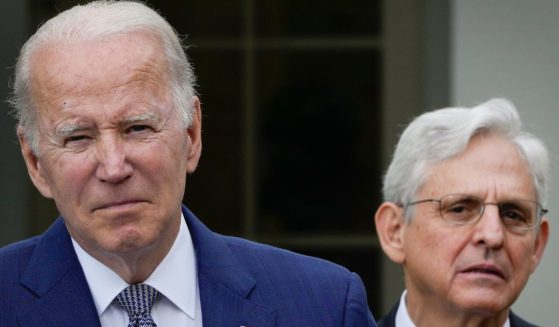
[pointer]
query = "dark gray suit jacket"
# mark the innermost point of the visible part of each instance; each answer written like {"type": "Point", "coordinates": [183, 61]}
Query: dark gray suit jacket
{"type": "Point", "coordinates": [390, 318]}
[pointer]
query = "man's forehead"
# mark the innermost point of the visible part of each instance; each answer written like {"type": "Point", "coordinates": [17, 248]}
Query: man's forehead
{"type": "Point", "coordinates": [488, 163]}
{"type": "Point", "coordinates": [83, 58]}
{"type": "Point", "coordinates": [67, 75]}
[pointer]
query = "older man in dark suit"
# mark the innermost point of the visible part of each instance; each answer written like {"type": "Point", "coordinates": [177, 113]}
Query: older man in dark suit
{"type": "Point", "coordinates": [464, 216]}
{"type": "Point", "coordinates": [109, 127]}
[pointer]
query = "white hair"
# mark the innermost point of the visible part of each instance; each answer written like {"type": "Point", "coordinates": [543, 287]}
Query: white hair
{"type": "Point", "coordinates": [102, 19]}
{"type": "Point", "coordinates": [442, 134]}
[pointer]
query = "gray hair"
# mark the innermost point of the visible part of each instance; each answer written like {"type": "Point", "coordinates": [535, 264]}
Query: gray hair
{"type": "Point", "coordinates": [101, 19]}
{"type": "Point", "coordinates": [442, 134]}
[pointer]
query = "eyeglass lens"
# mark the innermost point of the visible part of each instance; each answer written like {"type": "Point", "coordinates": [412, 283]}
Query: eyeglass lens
{"type": "Point", "coordinates": [463, 209]}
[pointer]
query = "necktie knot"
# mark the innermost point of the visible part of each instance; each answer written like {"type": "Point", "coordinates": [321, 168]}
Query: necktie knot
{"type": "Point", "coordinates": [137, 300]}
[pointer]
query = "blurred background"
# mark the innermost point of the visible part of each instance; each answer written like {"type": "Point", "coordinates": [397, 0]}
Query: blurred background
{"type": "Point", "coordinates": [303, 101]}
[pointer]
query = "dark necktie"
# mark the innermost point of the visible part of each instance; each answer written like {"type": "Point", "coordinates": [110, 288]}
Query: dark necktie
{"type": "Point", "coordinates": [137, 301]}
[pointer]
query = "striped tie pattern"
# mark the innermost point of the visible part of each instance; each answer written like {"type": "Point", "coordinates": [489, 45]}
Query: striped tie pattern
{"type": "Point", "coordinates": [137, 300]}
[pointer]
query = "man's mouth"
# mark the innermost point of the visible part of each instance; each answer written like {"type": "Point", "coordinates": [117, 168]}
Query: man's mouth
{"type": "Point", "coordinates": [488, 269]}
{"type": "Point", "coordinates": [118, 204]}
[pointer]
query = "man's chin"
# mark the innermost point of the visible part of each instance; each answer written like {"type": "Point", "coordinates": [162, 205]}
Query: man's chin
{"type": "Point", "coordinates": [131, 243]}
{"type": "Point", "coordinates": [120, 213]}
{"type": "Point", "coordinates": [123, 243]}
{"type": "Point", "coordinates": [485, 304]}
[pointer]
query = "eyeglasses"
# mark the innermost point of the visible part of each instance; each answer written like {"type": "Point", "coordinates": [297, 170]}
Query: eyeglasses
{"type": "Point", "coordinates": [461, 209]}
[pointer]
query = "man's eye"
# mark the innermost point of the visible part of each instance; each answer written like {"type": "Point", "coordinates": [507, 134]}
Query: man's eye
{"type": "Point", "coordinates": [514, 215]}
{"type": "Point", "coordinates": [75, 138]}
{"type": "Point", "coordinates": [138, 128]}
{"type": "Point", "coordinates": [460, 207]}
{"type": "Point", "coordinates": [456, 209]}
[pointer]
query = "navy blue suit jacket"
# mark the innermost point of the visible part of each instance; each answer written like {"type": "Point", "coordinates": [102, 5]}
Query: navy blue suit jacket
{"type": "Point", "coordinates": [242, 283]}
{"type": "Point", "coordinates": [390, 319]}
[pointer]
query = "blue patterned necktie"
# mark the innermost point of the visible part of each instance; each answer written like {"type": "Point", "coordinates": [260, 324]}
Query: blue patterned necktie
{"type": "Point", "coordinates": [137, 300]}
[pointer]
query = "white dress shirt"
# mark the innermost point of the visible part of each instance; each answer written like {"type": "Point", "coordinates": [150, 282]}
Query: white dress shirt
{"type": "Point", "coordinates": [175, 278]}
{"type": "Point", "coordinates": [403, 318]}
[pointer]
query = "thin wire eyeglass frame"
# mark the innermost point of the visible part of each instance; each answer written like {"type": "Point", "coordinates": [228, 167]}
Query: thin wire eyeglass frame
{"type": "Point", "coordinates": [540, 211]}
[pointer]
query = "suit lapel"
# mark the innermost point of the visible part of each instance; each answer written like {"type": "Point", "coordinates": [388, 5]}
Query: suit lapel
{"type": "Point", "coordinates": [516, 321]}
{"type": "Point", "coordinates": [225, 286]}
{"type": "Point", "coordinates": [54, 275]}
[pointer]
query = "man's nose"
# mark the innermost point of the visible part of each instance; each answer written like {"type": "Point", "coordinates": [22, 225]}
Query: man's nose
{"type": "Point", "coordinates": [113, 166]}
{"type": "Point", "coordinates": [489, 229]}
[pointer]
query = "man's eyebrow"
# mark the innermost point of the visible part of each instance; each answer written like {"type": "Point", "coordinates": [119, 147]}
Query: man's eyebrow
{"type": "Point", "coordinates": [141, 117]}
{"type": "Point", "coordinates": [68, 129]}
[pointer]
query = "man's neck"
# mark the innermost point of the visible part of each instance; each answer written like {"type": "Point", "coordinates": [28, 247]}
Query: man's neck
{"type": "Point", "coordinates": [426, 313]}
{"type": "Point", "coordinates": [136, 266]}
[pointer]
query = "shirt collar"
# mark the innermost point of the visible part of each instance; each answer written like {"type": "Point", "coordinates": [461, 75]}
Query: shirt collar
{"type": "Point", "coordinates": [403, 318]}
{"type": "Point", "coordinates": [175, 277]}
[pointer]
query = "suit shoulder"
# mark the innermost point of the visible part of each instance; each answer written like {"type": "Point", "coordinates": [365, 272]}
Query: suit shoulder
{"type": "Point", "coordinates": [13, 260]}
{"type": "Point", "coordinates": [319, 289]}
{"type": "Point", "coordinates": [516, 321]}
{"type": "Point", "coordinates": [250, 252]}
{"type": "Point", "coordinates": [12, 254]}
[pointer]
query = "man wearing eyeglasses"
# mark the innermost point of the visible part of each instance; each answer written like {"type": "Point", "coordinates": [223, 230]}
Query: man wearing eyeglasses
{"type": "Point", "coordinates": [464, 216]}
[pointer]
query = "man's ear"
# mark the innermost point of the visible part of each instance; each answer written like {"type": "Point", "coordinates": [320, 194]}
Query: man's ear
{"type": "Point", "coordinates": [194, 137]}
{"type": "Point", "coordinates": [389, 221]}
{"type": "Point", "coordinates": [540, 243]}
{"type": "Point", "coordinates": [34, 168]}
